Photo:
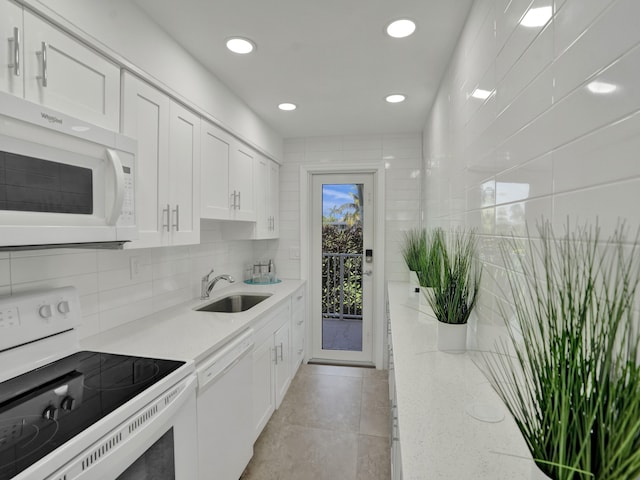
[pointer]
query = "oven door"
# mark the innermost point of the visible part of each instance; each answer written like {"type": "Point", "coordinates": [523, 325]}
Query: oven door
{"type": "Point", "coordinates": [158, 442]}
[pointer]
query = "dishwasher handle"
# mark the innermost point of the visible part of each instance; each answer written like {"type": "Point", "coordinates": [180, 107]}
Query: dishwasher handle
{"type": "Point", "coordinates": [220, 365]}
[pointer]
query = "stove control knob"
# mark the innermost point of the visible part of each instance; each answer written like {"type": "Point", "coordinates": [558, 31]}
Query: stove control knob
{"type": "Point", "coordinates": [63, 307]}
{"type": "Point", "coordinates": [45, 311]}
{"type": "Point", "coordinates": [50, 413]}
{"type": "Point", "coordinates": [68, 403]}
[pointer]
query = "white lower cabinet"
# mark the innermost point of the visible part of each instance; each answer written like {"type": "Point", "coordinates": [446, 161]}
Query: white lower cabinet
{"type": "Point", "coordinates": [298, 326]}
{"type": "Point", "coordinates": [271, 364]}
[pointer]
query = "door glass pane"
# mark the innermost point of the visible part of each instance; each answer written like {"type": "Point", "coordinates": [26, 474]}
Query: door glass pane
{"type": "Point", "coordinates": [342, 248]}
{"type": "Point", "coordinates": [157, 463]}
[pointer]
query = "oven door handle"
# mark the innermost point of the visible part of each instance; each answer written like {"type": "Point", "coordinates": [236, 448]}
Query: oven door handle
{"type": "Point", "coordinates": [118, 173]}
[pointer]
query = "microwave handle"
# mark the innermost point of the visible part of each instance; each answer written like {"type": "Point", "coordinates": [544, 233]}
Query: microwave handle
{"type": "Point", "coordinates": [118, 173]}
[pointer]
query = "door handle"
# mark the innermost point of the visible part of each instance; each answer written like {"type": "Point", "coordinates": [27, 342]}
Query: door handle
{"type": "Point", "coordinates": [177, 224]}
{"type": "Point", "coordinates": [368, 273]}
{"type": "Point", "coordinates": [45, 74]}
{"type": "Point", "coordinates": [168, 210]}
{"type": "Point", "coordinates": [16, 51]}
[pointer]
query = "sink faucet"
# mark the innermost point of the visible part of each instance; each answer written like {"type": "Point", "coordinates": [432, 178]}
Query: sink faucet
{"type": "Point", "coordinates": [207, 285]}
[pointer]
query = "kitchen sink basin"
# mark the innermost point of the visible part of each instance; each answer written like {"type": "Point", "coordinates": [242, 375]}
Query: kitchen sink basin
{"type": "Point", "coordinates": [234, 303]}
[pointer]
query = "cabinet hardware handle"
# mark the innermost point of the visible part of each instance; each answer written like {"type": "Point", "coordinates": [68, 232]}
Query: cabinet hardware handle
{"type": "Point", "coordinates": [177, 224]}
{"type": "Point", "coordinates": [168, 211]}
{"type": "Point", "coordinates": [16, 51]}
{"type": "Point", "coordinates": [239, 201]}
{"type": "Point", "coordinates": [45, 74]}
{"type": "Point", "coordinates": [281, 352]}
{"type": "Point", "coordinates": [299, 322]}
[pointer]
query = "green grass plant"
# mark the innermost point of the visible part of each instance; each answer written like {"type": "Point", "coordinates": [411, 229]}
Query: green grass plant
{"type": "Point", "coordinates": [569, 372]}
{"type": "Point", "coordinates": [455, 276]}
{"type": "Point", "coordinates": [413, 244]}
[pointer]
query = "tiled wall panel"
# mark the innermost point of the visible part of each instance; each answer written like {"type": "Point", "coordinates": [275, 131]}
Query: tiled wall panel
{"type": "Point", "coordinates": [401, 155]}
{"type": "Point", "coordinates": [549, 143]}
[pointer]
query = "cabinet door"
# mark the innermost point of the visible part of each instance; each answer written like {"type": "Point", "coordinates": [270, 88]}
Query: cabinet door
{"type": "Point", "coordinates": [241, 178]}
{"type": "Point", "coordinates": [274, 198]}
{"type": "Point", "coordinates": [184, 176]}
{"type": "Point", "coordinates": [12, 52]}
{"type": "Point", "coordinates": [282, 342]}
{"type": "Point", "coordinates": [263, 384]}
{"type": "Point", "coordinates": [63, 74]}
{"type": "Point", "coordinates": [298, 324]}
{"type": "Point", "coordinates": [263, 220]}
{"type": "Point", "coordinates": [214, 178]}
{"type": "Point", "coordinates": [145, 117]}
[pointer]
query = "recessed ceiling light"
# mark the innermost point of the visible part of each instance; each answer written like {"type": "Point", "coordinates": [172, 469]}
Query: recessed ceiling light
{"type": "Point", "coordinates": [395, 98]}
{"type": "Point", "coordinates": [537, 17]}
{"type": "Point", "coordinates": [601, 87]}
{"type": "Point", "coordinates": [287, 106]}
{"type": "Point", "coordinates": [481, 94]}
{"type": "Point", "coordinates": [401, 28]}
{"type": "Point", "coordinates": [240, 45]}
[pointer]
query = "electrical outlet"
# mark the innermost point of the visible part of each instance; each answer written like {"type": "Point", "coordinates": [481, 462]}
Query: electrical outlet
{"type": "Point", "coordinates": [294, 253]}
{"type": "Point", "coordinates": [134, 268]}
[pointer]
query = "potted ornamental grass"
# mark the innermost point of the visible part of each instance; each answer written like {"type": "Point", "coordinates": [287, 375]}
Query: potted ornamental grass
{"type": "Point", "coordinates": [455, 285]}
{"type": "Point", "coordinates": [568, 372]}
{"type": "Point", "coordinates": [430, 261]}
{"type": "Point", "coordinates": [412, 248]}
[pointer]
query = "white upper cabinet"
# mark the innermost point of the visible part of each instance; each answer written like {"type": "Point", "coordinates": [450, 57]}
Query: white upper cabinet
{"type": "Point", "coordinates": [241, 183]}
{"type": "Point", "coordinates": [65, 75]}
{"type": "Point", "coordinates": [12, 51]}
{"type": "Point", "coordinates": [168, 161]}
{"type": "Point", "coordinates": [267, 204]}
{"type": "Point", "coordinates": [215, 199]}
{"type": "Point", "coordinates": [227, 180]}
{"type": "Point", "coordinates": [184, 176]}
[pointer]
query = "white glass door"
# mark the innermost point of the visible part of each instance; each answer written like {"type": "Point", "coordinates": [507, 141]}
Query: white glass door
{"type": "Point", "coordinates": [342, 267]}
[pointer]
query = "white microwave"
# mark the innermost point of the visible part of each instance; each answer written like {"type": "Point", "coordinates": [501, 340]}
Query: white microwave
{"type": "Point", "coordinates": [63, 181]}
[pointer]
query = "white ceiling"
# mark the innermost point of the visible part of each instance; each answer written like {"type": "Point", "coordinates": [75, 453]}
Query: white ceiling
{"type": "Point", "coordinates": [330, 57]}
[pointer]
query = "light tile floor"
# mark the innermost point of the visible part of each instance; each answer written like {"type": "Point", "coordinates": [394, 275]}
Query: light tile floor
{"type": "Point", "coordinates": [332, 424]}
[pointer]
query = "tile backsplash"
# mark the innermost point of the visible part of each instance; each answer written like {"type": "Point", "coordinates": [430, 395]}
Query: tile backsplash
{"type": "Point", "coordinates": [113, 291]}
{"type": "Point", "coordinates": [557, 137]}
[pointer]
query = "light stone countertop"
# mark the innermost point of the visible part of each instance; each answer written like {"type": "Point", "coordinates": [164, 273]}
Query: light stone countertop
{"type": "Point", "coordinates": [435, 390]}
{"type": "Point", "coordinates": [181, 333]}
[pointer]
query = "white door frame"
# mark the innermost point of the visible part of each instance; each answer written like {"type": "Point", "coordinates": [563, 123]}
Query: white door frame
{"type": "Point", "coordinates": [378, 171]}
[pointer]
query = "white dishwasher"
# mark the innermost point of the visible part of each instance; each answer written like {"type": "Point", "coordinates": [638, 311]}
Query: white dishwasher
{"type": "Point", "coordinates": [225, 434]}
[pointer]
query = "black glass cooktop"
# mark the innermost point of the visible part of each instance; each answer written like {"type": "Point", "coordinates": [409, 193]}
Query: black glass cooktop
{"type": "Point", "coordinates": [44, 408]}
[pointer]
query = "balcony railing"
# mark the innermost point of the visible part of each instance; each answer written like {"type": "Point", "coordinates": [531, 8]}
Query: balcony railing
{"type": "Point", "coordinates": [342, 286]}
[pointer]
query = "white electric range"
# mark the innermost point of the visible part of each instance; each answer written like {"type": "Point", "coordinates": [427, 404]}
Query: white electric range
{"type": "Point", "coordinates": [68, 414]}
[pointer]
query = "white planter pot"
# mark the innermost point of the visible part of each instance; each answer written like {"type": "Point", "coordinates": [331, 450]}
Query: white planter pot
{"type": "Point", "coordinates": [452, 337]}
{"type": "Point", "coordinates": [413, 281]}
{"type": "Point", "coordinates": [536, 473]}
{"type": "Point", "coordinates": [423, 297]}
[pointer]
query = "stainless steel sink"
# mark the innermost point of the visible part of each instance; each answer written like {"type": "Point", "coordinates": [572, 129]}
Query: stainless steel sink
{"type": "Point", "coordinates": [234, 303]}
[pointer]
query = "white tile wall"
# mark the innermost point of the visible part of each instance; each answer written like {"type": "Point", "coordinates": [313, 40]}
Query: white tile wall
{"type": "Point", "coordinates": [402, 157]}
{"type": "Point", "coordinates": [109, 296]}
{"type": "Point", "coordinates": [543, 145]}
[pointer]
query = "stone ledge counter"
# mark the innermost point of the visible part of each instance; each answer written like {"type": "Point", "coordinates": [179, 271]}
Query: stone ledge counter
{"type": "Point", "coordinates": [437, 393]}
